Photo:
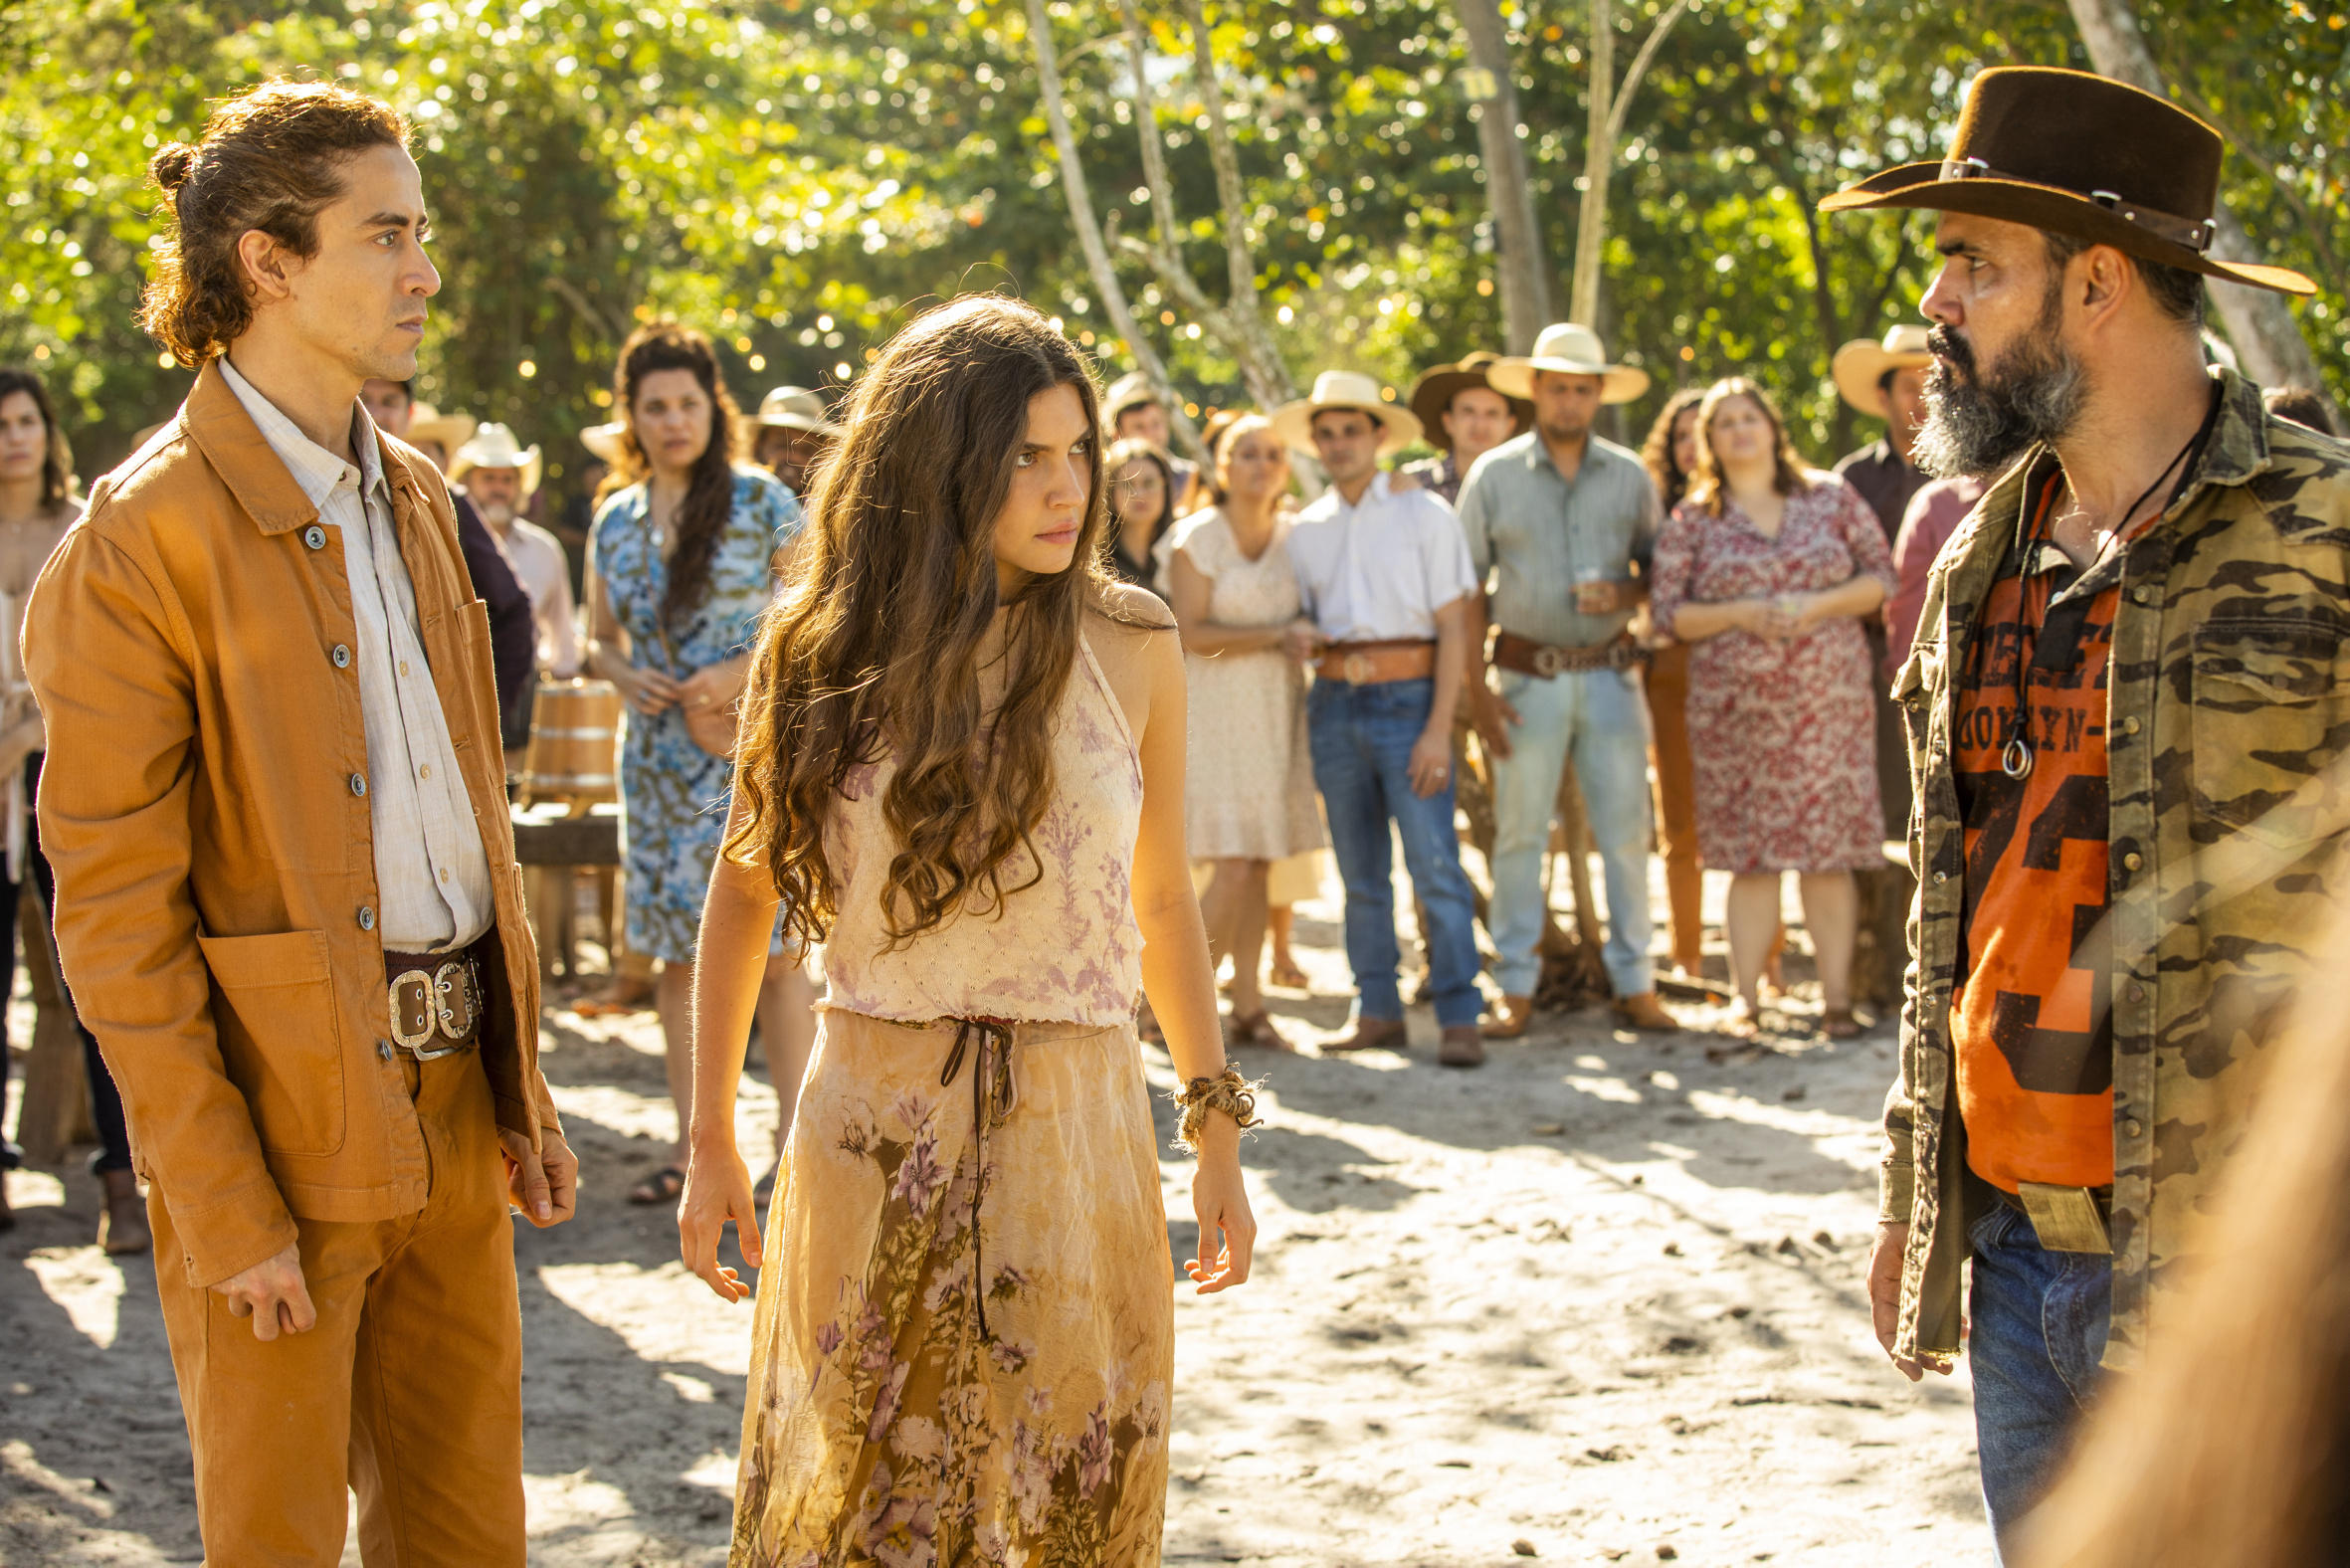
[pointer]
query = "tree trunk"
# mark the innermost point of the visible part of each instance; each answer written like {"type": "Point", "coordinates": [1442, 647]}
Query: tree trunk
{"type": "Point", "coordinates": [1609, 101]}
{"type": "Point", "coordinates": [1522, 266]}
{"type": "Point", "coordinates": [2267, 340]}
{"type": "Point", "coordinates": [1080, 217]}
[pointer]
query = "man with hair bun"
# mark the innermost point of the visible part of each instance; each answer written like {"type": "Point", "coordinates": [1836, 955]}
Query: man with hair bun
{"type": "Point", "coordinates": [287, 892]}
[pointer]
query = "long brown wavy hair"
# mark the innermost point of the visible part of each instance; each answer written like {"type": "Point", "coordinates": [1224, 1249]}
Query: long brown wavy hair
{"type": "Point", "coordinates": [709, 487]}
{"type": "Point", "coordinates": [1656, 453]}
{"type": "Point", "coordinates": [1705, 485]}
{"type": "Point", "coordinates": [269, 159]}
{"type": "Point", "coordinates": [876, 648]}
{"type": "Point", "coordinates": [57, 461]}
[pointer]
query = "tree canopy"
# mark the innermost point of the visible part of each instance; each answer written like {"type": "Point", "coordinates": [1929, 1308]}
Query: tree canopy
{"type": "Point", "coordinates": [798, 177]}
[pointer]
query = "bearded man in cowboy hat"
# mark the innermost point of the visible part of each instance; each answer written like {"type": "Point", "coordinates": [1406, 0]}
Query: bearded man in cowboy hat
{"type": "Point", "coordinates": [2122, 704]}
{"type": "Point", "coordinates": [1559, 520]}
{"type": "Point", "coordinates": [1460, 414]}
{"type": "Point", "coordinates": [1385, 581]}
{"type": "Point", "coordinates": [793, 432]}
{"type": "Point", "coordinates": [499, 477]}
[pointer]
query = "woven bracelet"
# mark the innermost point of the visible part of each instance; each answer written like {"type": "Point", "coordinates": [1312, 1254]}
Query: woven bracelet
{"type": "Point", "coordinates": [1226, 1092]}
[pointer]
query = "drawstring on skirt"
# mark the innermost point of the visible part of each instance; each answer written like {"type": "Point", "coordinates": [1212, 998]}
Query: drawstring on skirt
{"type": "Point", "coordinates": [993, 1093]}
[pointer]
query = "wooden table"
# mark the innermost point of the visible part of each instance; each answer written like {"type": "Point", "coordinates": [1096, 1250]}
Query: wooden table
{"type": "Point", "coordinates": [551, 842]}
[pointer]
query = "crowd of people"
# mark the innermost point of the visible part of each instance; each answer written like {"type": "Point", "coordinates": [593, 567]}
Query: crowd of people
{"type": "Point", "coordinates": [920, 718]}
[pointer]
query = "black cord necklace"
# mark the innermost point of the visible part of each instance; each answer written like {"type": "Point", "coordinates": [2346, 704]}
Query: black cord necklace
{"type": "Point", "coordinates": [2015, 758]}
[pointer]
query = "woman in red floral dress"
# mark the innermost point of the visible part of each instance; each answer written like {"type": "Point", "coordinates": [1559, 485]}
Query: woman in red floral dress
{"type": "Point", "coordinates": [1767, 569]}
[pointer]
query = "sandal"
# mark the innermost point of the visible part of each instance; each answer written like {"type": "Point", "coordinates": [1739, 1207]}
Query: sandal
{"type": "Point", "coordinates": [1256, 1030]}
{"type": "Point", "coordinates": [1838, 1022]}
{"type": "Point", "coordinates": [1286, 974]}
{"type": "Point", "coordinates": [663, 1186]}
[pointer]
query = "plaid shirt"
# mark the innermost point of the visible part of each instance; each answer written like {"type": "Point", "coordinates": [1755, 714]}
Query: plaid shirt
{"type": "Point", "coordinates": [2228, 699]}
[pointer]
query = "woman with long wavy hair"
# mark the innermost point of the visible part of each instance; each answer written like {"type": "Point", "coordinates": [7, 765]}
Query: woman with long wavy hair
{"type": "Point", "coordinates": [962, 773]}
{"type": "Point", "coordinates": [680, 565]}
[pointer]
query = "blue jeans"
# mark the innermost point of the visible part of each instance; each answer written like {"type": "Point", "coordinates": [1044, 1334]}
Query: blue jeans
{"type": "Point", "coordinates": [1598, 718]}
{"type": "Point", "coordinates": [1361, 738]}
{"type": "Point", "coordinates": [2037, 1332]}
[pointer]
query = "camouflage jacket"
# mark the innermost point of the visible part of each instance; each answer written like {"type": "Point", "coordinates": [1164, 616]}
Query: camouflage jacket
{"type": "Point", "coordinates": [2226, 701]}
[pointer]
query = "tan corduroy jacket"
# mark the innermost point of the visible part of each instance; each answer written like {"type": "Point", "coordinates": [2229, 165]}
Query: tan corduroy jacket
{"type": "Point", "coordinates": [191, 645]}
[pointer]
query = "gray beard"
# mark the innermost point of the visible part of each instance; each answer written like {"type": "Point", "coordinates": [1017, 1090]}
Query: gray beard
{"type": "Point", "coordinates": [499, 515]}
{"type": "Point", "coordinates": [1978, 424]}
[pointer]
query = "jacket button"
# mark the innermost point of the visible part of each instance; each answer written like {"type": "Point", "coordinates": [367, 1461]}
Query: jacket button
{"type": "Point", "coordinates": [2141, 595]}
{"type": "Point", "coordinates": [358, 783]}
{"type": "Point", "coordinates": [2129, 726]}
{"type": "Point", "coordinates": [342, 657]}
{"type": "Point", "coordinates": [2132, 861]}
{"type": "Point", "coordinates": [366, 918]}
{"type": "Point", "coordinates": [2130, 1128]}
{"type": "Point", "coordinates": [314, 536]}
{"type": "Point", "coordinates": [1941, 877]}
{"type": "Point", "coordinates": [2137, 992]}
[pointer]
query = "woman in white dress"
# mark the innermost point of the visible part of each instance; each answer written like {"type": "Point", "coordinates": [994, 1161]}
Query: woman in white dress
{"type": "Point", "coordinates": [1248, 793]}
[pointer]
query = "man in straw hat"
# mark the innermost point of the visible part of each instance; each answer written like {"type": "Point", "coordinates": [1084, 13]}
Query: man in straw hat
{"type": "Point", "coordinates": [1460, 414]}
{"type": "Point", "coordinates": [793, 433]}
{"type": "Point", "coordinates": [1885, 378]}
{"type": "Point", "coordinates": [499, 477]}
{"type": "Point", "coordinates": [1558, 520]}
{"type": "Point", "coordinates": [1386, 583]}
{"type": "Point", "coordinates": [2123, 708]}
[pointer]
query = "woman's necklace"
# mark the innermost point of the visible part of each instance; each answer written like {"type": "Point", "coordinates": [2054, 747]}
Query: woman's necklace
{"type": "Point", "coordinates": [2015, 758]}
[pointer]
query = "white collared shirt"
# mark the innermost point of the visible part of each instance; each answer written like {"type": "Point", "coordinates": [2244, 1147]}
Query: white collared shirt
{"type": "Point", "coordinates": [432, 877]}
{"type": "Point", "coordinates": [544, 572]}
{"type": "Point", "coordinates": [1380, 569]}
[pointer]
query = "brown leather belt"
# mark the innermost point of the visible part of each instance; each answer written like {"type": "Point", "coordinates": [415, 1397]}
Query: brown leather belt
{"type": "Point", "coordinates": [1524, 656]}
{"type": "Point", "coordinates": [436, 1002]}
{"type": "Point", "coordinates": [1374, 663]}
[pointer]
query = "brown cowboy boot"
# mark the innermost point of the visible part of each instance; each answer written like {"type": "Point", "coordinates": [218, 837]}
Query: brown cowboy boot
{"type": "Point", "coordinates": [1645, 1013]}
{"type": "Point", "coordinates": [1511, 1019]}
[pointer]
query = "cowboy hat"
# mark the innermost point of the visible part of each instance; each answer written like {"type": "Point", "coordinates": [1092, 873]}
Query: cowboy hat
{"type": "Point", "coordinates": [1132, 390]}
{"type": "Point", "coordinates": [494, 446]}
{"type": "Point", "coordinates": [795, 407]}
{"type": "Point", "coordinates": [1434, 392]}
{"type": "Point", "coordinates": [604, 441]}
{"type": "Point", "coordinates": [1860, 367]}
{"type": "Point", "coordinates": [1294, 422]}
{"type": "Point", "coordinates": [1571, 349]}
{"type": "Point", "coordinates": [448, 431]}
{"type": "Point", "coordinates": [2081, 155]}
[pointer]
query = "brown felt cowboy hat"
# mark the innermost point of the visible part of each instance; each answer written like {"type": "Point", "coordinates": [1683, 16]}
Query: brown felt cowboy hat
{"type": "Point", "coordinates": [2081, 155]}
{"type": "Point", "coordinates": [1434, 392]}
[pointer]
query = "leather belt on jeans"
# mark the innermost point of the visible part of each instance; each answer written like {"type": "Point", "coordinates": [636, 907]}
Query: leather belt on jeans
{"type": "Point", "coordinates": [436, 1002]}
{"type": "Point", "coordinates": [1524, 656]}
{"type": "Point", "coordinates": [2066, 1218]}
{"type": "Point", "coordinates": [1372, 664]}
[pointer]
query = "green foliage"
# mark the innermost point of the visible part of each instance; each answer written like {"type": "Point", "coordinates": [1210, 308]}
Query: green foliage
{"type": "Point", "coordinates": [797, 177]}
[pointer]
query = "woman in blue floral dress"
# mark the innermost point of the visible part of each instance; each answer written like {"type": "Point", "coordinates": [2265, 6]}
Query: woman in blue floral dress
{"type": "Point", "coordinates": [683, 559]}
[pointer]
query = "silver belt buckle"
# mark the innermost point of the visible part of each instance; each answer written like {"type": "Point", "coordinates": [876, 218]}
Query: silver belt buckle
{"type": "Point", "coordinates": [1355, 668]}
{"type": "Point", "coordinates": [1549, 660]}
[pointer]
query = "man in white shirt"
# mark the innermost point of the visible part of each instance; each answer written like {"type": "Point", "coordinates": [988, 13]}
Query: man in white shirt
{"type": "Point", "coordinates": [500, 478]}
{"type": "Point", "coordinates": [1386, 580]}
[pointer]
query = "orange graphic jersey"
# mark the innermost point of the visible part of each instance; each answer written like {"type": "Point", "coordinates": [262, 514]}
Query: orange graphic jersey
{"type": "Point", "coordinates": [2031, 1022]}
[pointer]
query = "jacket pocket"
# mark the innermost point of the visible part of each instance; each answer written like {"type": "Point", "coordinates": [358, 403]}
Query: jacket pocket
{"type": "Point", "coordinates": [2265, 722]}
{"type": "Point", "coordinates": [275, 1017]}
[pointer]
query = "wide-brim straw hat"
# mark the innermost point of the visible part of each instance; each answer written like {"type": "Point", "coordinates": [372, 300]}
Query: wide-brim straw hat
{"type": "Point", "coordinates": [1132, 390]}
{"type": "Point", "coordinates": [2083, 155]}
{"type": "Point", "coordinates": [1860, 366]}
{"type": "Point", "coordinates": [449, 431]}
{"type": "Point", "coordinates": [1568, 348]}
{"type": "Point", "coordinates": [1352, 389]}
{"type": "Point", "coordinates": [493, 447]}
{"type": "Point", "coordinates": [605, 441]}
{"type": "Point", "coordinates": [1434, 392]}
{"type": "Point", "coordinates": [796, 408]}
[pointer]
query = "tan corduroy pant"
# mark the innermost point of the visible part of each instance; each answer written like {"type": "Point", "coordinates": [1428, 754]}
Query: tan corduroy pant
{"type": "Point", "coordinates": [408, 1390]}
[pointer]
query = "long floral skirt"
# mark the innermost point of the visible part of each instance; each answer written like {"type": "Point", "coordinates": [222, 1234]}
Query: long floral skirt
{"type": "Point", "coordinates": [961, 1359]}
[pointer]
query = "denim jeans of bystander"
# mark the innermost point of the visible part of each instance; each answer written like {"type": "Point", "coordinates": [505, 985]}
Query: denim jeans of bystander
{"type": "Point", "coordinates": [1362, 739]}
{"type": "Point", "coordinates": [2036, 1325]}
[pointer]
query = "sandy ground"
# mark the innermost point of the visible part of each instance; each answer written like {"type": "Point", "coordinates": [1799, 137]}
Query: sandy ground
{"type": "Point", "coordinates": [1597, 1303]}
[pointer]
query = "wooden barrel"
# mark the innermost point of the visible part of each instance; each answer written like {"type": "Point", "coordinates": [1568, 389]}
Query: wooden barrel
{"type": "Point", "coordinates": [574, 753]}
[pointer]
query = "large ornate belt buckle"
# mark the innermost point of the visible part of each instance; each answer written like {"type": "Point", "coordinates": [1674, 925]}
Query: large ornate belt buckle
{"type": "Point", "coordinates": [1355, 668]}
{"type": "Point", "coordinates": [1549, 660]}
{"type": "Point", "coordinates": [414, 1017]}
{"type": "Point", "coordinates": [2066, 1218]}
{"type": "Point", "coordinates": [460, 1005]}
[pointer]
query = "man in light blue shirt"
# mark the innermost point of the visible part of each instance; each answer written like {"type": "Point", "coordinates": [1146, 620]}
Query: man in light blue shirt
{"type": "Point", "coordinates": [1558, 521]}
